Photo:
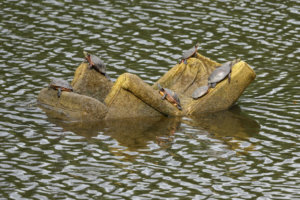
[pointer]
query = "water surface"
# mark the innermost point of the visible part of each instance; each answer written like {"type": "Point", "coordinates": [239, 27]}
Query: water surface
{"type": "Point", "coordinates": [248, 152]}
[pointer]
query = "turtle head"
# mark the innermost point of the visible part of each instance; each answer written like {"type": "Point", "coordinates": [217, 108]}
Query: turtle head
{"type": "Point", "coordinates": [159, 86]}
{"type": "Point", "coordinates": [197, 45]}
{"type": "Point", "coordinates": [179, 106]}
{"type": "Point", "coordinates": [86, 54]}
{"type": "Point", "coordinates": [235, 61]}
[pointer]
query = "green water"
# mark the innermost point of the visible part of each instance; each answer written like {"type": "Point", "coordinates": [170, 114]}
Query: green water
{"type": "Point", "coordinates": [248, 152]}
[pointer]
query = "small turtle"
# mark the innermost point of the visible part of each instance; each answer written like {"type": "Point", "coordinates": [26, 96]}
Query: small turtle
{"type": "Point", "coordinates": [189, 53]}
{"type": "Point", "coordinates": [200, 91]}
{"type": "Point", "coordinates": [95, 63]}
{"type": "Point", "coordinates": [170, 96]}
{"type": "Point", "coordinates": [60, 85]}
{"type": "Point", "coordinates": [220, 73]}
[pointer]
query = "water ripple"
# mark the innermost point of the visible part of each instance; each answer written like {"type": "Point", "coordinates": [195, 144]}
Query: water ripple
{"type": "Point", "coordinates": [245, 154]}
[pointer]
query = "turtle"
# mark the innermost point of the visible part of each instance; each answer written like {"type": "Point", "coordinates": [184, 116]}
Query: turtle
{"type": "Point", "coordinates": [170, 95]}
{"type": "Point", "coordinates": [95, 63]}
{"type": "Point", "coordinates": [200, 91]}
{"type": "Point", "coordinates": [216, 76]}
{"type": "Point", "coordinates": [221, 72]}
{"type": "Point", "coordinates": [189, 53]}
{"type": "Point", "coordinates": [60, 85]}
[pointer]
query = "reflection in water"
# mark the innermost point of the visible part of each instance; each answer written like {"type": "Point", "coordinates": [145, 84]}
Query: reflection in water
{"type": "Point", "coordinates": [231, 126]}
{"type": "Point", "coordinates": [136, 133]}
{"type": "Point", "coordinates": [133, 133]}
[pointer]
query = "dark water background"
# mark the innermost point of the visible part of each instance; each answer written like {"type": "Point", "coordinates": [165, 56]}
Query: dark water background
{"type": "Point", "coordinates": [249, 152]}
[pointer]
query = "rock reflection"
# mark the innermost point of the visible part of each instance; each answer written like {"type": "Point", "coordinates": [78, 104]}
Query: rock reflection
{"type": "Point", "coordinates": [133, 133]}
{"type": "Point", "coordinates": [136, 133]}
{"type": "Point", "coordinates": [233, 127]}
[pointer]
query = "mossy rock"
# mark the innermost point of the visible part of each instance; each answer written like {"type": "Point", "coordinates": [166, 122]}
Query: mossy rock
{"type": "Point", "coordinates": [72, 106]}
{"type": "Point", "coordinates": [183, 79]}
{"type": "Point", "coordinates": [129, 97]}
{"type": "Point", "coordinates": [91, 83]}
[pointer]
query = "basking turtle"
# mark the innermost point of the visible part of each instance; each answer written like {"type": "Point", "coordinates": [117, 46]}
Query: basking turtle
{"type": "Point", "coordinates": [216, 76]}
{"type": "Point", "coordinates": [95, 63]}
{"type": "Point", "coordinates": [189, 53]}
{"type": "Point", "coordinates": [220, 73]}
{"type": "Point", "coordinates": [60, 85]}
{"type": "Point", "coordinates": [170, 96]}
{"type": "Point", "coordinates": [200, 91]}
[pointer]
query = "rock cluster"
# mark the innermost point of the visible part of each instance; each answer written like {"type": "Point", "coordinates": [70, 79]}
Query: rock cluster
{"type": "Point", "coordinates": [97, 98]}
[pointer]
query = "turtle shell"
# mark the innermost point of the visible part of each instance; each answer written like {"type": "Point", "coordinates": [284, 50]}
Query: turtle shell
{"type": "Point", "coordinates": [98, 64]}
{"type": "Point", "coordinates": [95, 62]}
{"type": "Point", "coordinates": [189, 53]}
{"type": "Point", "coordinates": [57, 83]}
{"type": "Point", "coordinates": [220, 73]}
{"type": "Point", "coordinates": [170, 95]}
{"type": "Point", "coordinates": [200, 91]}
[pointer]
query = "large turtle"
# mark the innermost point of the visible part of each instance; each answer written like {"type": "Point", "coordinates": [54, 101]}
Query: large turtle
{"type": "Point", "coordinates": [60, 85]}
{"type": "Point", "coordinates": [95, 63]}
{"type": "Point", "coordinates": [189, 53]}
{"type": "Point", "coordinates": [170, 96]}
{"type": "Point", "coordinates": [221, 72]}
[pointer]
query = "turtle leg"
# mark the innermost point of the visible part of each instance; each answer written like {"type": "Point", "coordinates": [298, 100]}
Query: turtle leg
{"type": "Point", "coordinates": [163, 97]}
{"type": "Point", "coordinates": [106, 75]}
{"type": "Point", "coordinates": [159, 86]}
{"type": "Point", "coordinates": [212, 85]}
{"type": "Point", "coordinates": [90, 65]}
{"type": "Point", "coordinates": [58, 92]}
{"type": "Point", "coordinates": [185, 61]}
{"type": "Point", "coordinates": [229, 77]}
{"type": "Point", "coordinates": [179, 107]}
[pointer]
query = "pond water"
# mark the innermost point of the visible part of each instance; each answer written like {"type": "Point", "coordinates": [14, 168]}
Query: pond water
{"type": "Point", "coordinates": [248, 152]}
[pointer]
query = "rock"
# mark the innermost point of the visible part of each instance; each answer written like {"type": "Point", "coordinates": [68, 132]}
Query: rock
{"type": "Point", "coordinates": [91, 83]}
{"type": "Point", "coordinates": [132, 97]}
{"type": "Point", "coordinates": [98, 98]}
{"type": "Point", "coordinates": [72, 106]}
{"type": "Point", "coordinates": [185, 79]}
